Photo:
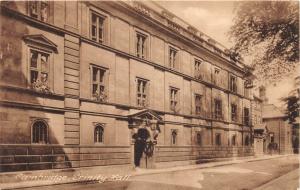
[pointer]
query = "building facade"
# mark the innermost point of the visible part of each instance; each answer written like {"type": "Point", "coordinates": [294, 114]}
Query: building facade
{"type": "Point", "coordinates": [279, 131]}
{"type": "Point", "coordinates": [115, 83]}
{"type": "Point", "coordinates": [260, 130]}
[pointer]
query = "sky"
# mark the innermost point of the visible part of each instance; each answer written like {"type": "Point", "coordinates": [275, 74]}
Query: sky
{"type": "Point", "coordinates": [214, 18]}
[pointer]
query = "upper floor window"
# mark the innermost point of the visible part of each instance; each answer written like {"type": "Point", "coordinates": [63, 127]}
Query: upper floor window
{"type": "Point", "coordinates": [142, 92]}
{"type": "Point", "coordinates": [246, 116]}
{"type": "Point", "coordinates": [174, 93]}
{"type": "Point", "coordinates": [218, 139]}
{"type": "Point", "coordinates": [39, 10]}
{"type": "Point", "coordinates": [218, 109]}
{"type": "Point", "coordinates": [198, 104]}
{"type": "Point", "coordinates": [40, 132]}
{"type": "Point", "coordinates": [97, 27]}
{"type": "Point", "coordinates": [233, 112]}
{"type": "Point", "coordinates": [40, 62]}
{"type": "Point", "coordinates": [199, 138]}
{"type": "Point", "coordinates": [99, 83]}
{"type": "Point", "coordinates": [98, 134]}
{"type": "Point", "coordinates": [141, 45]}
{"type": "Point", "coordinates": [233, 140]}
{"type": "Point", "coordinates": [173, 137]}
{"type": "Point", "coordinates": [39, 67]}
{"type": "Point", "coordinates": [232, 85]}
{"type": "Point", "coordinates": [197, 71]}
{"type": "Point", "coordinates": [172, 58]}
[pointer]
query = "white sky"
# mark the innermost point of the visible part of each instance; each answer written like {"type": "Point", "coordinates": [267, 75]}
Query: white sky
{"type": "Point", "coordinates": [215, 18]}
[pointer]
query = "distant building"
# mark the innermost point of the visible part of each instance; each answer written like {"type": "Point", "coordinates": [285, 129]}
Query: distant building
{"type": "Point", "coordinates": [259, 128]}
{"type": "Point", "coordinates": [279, 132]}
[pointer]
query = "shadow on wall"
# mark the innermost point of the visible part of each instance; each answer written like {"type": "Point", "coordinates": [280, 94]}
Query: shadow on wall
{"type": "Point", "coordinates": [17, 151]}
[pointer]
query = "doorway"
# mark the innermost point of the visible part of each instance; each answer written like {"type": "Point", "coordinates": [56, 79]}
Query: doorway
{"type": "Point", "coordinates": [141, 159]}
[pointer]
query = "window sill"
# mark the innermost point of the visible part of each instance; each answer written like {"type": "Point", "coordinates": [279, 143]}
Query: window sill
{"type": "Point", "coordinates": [99, 144]}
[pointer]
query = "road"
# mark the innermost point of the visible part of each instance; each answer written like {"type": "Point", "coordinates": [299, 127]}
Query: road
{"type": "Point", "coordinates": [279, 173]}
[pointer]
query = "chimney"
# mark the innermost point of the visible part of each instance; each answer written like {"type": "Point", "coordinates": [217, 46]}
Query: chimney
{"type": "Point", "coordinates": [262, 94]}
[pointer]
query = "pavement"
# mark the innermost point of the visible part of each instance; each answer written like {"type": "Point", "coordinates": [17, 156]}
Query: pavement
{"type": "Point", "coordinates": [29, 180]}
{"type": "Point", "coordinates": [290, 180]}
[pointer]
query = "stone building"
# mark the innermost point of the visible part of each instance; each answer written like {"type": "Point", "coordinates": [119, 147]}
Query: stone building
{"type": "Point", "coordinates": [279, 132]}
{"type": "Point", "coordinates": [260, 131]}
{"type": "Point", "coordinates": [115, 83]}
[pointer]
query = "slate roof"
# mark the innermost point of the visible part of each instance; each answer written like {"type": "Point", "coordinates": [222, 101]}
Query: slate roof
{"type": "Point", "coordinates": [271, 111]}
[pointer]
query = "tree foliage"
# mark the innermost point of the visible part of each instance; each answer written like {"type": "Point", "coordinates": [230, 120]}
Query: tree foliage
{"type": "Point", "coordinates": [268, 32]}
{"type": "Point", "coordinates": [292, 109]}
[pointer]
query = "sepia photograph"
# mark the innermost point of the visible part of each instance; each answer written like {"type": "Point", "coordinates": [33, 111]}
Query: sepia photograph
{"type": "Point", "coordinates": [149, 95]}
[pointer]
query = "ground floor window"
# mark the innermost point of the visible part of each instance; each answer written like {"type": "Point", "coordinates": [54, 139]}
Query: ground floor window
{"type": "Point", "coordinates": [199, 138]}
{"type": "Point", "coordinates": [247, 141]}
{"type": "Point", "coordinates": [40, 132]}
{"type": "Point", "coordinates": [233, 140]}
{"type": "Point", "coordinates": [174, 137]}
{"type": "Point", "coordinates": [98, 134]}
{"type": "Point", "coordinates": [218, 139]}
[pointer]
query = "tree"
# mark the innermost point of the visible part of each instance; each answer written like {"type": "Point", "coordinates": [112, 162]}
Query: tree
{"type": "Point", "coordinates": [292, 109]}
{"type": "Point", "coordinates": [292, 112]}
{"type": "Point", "coordinates": [268, 32]}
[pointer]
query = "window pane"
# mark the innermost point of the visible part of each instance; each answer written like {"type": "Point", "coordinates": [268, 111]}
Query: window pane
{"type": "Point", "coordinates": [144, 87]}
{"type": "Point", "coordinates": [94, 20]}
{"type": "Point", "coordinates": [95, 89]}
{"type": "Point", "coordinates": [101, 89]}
{"type": "Point", "coordinates": [100, 34]}
{"type": "Point", "coordinates": [100, 29]}
{"type": "Point", "coordinates": [94, 27]}
{"type": "Point", "coordinates": [44, 62]}
{"type": "Point", "coordinates": [102, 73]}
{"type": "Point", "coordinates": [138, 45]}
{"type": "Point", "coordinates": [95, 73]}
{"type": "Point", "coordinates": [94, 32]}
{"type": "Point", "coordinates": [33, 76]}
{"type": "Point", "coordinates": [33, 59]}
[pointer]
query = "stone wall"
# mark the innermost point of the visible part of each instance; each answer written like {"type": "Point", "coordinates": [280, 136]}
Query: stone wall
{"type": "Point", "coordinates": [39, 157]}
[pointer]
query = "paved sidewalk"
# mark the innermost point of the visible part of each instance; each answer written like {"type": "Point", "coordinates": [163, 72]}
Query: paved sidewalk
{"type": "Point", "coordinates": [96, 174]}
{"type": "Point", "coordinates": [288, 181]}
